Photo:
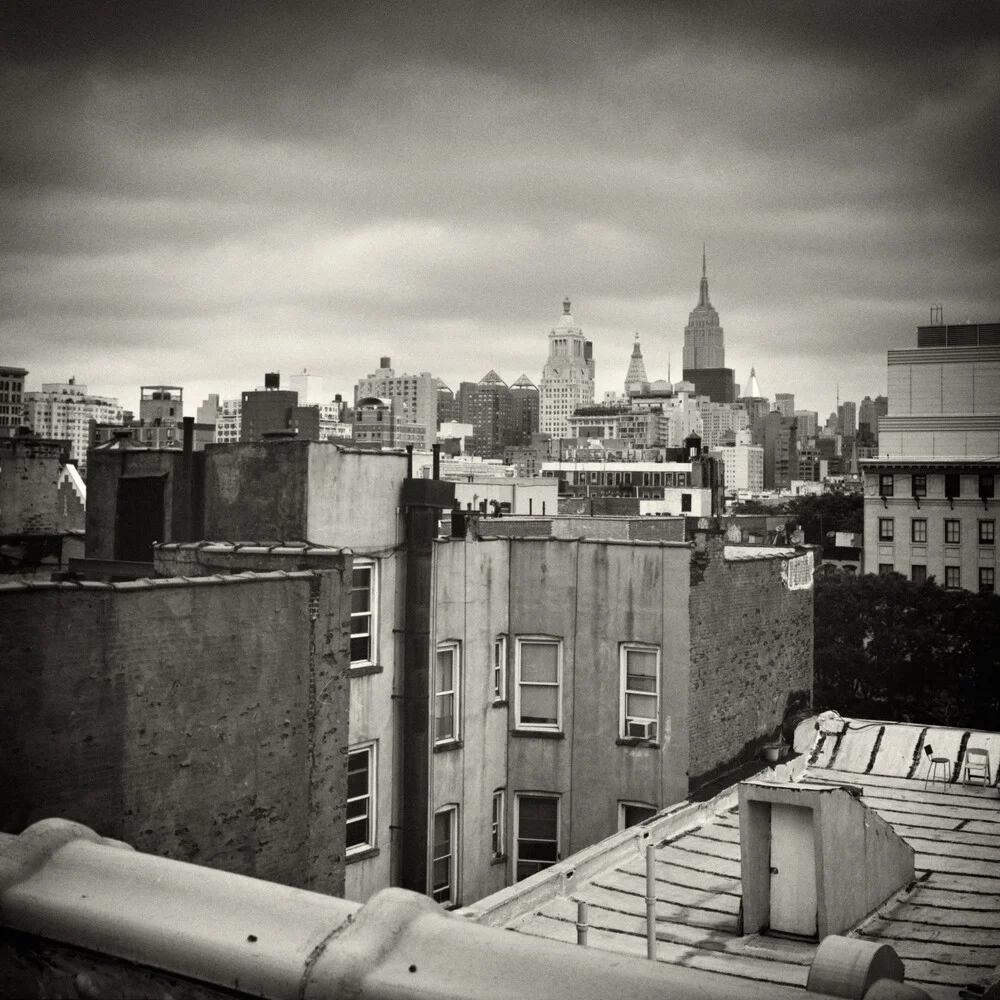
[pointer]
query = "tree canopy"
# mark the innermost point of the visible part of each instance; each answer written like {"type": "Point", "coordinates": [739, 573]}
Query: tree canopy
{"type": "Point", "coordinates": [886, 648]}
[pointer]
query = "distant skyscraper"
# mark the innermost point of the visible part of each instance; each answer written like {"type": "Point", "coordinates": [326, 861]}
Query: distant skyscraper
{"type": "Point", "coordinates": [309, 388]}
{"type": "Point", "coordinates": [703, 337]}
{"type": "Point", "coordinates": [486, 405]}
{"type": "Point", "coordinates": [419, 394]}
{"type": "Point", "coordinates": [784, 403]}
{"type": "Point", "coordinates": [808, 421]}
{"type": "Point", "coordinates": [568, 376]}
{"type": "Point", "coordinates": [635, 378]}
{"type": "Point", "coordinates": [65, 410]}
{"type": "Point", "coordinates": [847, 418]}
{"type": "Point", "coordinates": [11, 402]}
{"type": "Point", "coordinates": [753, 401]}
{"type": "Point", "coordinates": [447, 406]}
{"type": "Point", "coordinates": [524, 411]}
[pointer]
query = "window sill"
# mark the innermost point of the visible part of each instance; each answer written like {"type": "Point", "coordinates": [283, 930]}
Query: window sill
{"type": "Point", "coordinates": [539, 734]}
{"type": "Point", "coordinates": [632, 742]}
{"type": "Point", "coordinates": [500, 703]}
{"type": "Point", "coordinates": [499, 859]}
{"type": "Point", "coordinates": [449, 745]}
{"type": "Point", "coordinates": [371, 852]}
{"type": "Point", "coordinates": [364, 669]}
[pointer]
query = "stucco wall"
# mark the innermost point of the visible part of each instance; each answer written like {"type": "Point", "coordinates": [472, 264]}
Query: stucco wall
{"type": "Point", "coordinates": [201, 721]}
{"type": "Point", "coordinates": [751, 652]}
{"type": "Point", "coordinates": [256, 491]}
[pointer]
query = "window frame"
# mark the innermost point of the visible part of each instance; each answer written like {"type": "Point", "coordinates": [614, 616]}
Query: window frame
{"type": "Point", "coordinates": [918, 483]}
{"type": "Point", "coordinates": [918, 526]}
{"type": "Point", "coordinates": [499, 671]}
{"type": "Point", "coordinates": [913, 573]}
{"type": "Point", "coordinates": [498, 831]}
{"type": "Point", "coordinates": [886, 529]}
{"type": "Point", "coordinates": [536, 727]}
{"type": "Point", "coordinates": [452, 898]}
{"type": "Point", "coordinates": [884, 569]}
{"type": "Point", "coordinates": [886, 484]}
{"type": "Point", "coordinates": [370, 748]}
{"type": "Point", "coordinates": [957, 583]}
{"type": "Point", "coordinates": [624, 649]}
{"type": "Point", "coordinates": [990, 527]}
{"type": "Point", "coordinates": [625, 804]}
{"type": "Point", "coordinates": [987, 588]}
{"type": "Point", "coordinates": [453, 646]}
{"type": "Point", "coordinates": [519, 797]}
{"type": "Point", "coordinates": [952, 526]}
{"type": "Point", "coordinates": [372, 613]}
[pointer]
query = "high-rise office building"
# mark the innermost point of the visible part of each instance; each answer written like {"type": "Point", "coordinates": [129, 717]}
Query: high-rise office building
{"type": "Point", "coordinates": [524, 403]}
{"type": "Point", "coordinates": [847, 418]}
{"type": "Point", "coordinates": [568, 376]}
{"type": "Point", "coordinates": [704, 346]}
{"type": "Point", "coordinates": [11, 399]}
{"type": "Point", "coordinates": [418, 393]}
{"type": "Point", "coordinates": [808, 421]}
{"type": "Point", "coordinates": [784, 403]}
{"type": "Point", "coordinates": [486, 405]}
{"type": "Point", "coordinates": [635, 378]}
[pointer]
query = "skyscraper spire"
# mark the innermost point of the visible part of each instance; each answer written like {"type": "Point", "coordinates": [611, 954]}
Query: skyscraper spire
{"type": "Point", "coordinates": [703, 299]}
{"type": "Point", "coordinates": [635, 379]}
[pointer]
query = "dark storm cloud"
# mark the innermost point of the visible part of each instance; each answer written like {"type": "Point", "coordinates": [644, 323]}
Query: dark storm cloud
{"type": "Point", "coordinates": [259, 185]}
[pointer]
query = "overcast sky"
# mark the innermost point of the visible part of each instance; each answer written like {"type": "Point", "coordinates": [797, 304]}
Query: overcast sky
{"type": "Point", "coordinates": [197, 194]}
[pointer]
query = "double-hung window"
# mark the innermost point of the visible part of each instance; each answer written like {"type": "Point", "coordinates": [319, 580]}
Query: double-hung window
{"type": "Point", "coordinates": [918, 529]}
{"type": "Point", "coordinates": [987, 532]}
{"type": "Point", "coordinates": [444, 865]}
{"type": "Point", "coordinates": [364, 613]}
{"type": "Point", "coordinates": [886, 529]}
{"type": "Point", "coordinates": [499, 846]}
{"type": "Point", "coordinates": [952, 532]}
{"type": "Point", "coordinates": [640, 691]}
{"type": "Point", "coordinates": [886, 484]}
{"type": "Point", "coordinates": [361, 786]}
{"type": "Point", "coordinates": [539, 683]}
{"type": "Point", "coordinates": [447, 692]}
{"type": "Point", "coordinates": [919, 485]}
{"type": "Point", "coordinates": [953, 577]}
{"type": "Point", "coordinates": [537, 840]}
{"type": "Point", "coordinates": [499, 673]}
{"type": "Point", "coordinates": [987, 580]}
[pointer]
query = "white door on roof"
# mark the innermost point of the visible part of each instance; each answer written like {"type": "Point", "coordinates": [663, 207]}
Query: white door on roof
{"type": "Point", "coordinates": [793, 870]}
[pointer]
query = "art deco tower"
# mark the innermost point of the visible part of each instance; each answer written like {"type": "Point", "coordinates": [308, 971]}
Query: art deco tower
{"type": "Point", "coordinates": [567, 378]}
{"type": "Point", "coordinates": [635, 378]}
{"type": "Point", "coordinates": [703, 340]}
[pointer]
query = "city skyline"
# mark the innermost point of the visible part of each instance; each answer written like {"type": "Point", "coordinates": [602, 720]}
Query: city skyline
{"type": "Point", "coordinates": [193, 200]}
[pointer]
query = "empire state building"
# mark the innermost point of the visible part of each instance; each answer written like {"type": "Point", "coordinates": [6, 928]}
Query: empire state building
{"type": "Point", "coordinates": [704, 348]}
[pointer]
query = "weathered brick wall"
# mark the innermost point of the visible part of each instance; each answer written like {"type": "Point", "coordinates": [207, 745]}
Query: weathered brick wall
{"type": "Point", "coordinates": [72, 513]}
{"type": "Point", "coordinates": [29, 488]}
{"type": "Point", "coordinates": [657, 529]}
{"type": "Point", "coordinates": [751, 654]}
{"type": "Point", "coordinates": [204, 721]}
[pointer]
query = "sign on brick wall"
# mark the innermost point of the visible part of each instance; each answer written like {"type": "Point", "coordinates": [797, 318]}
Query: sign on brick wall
{"type": "Point", "coordinates": [797, 573]}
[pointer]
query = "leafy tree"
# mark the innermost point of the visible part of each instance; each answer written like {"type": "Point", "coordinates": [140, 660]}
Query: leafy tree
{"type": "Point", "coordinates": [832, 511]}
{"type": "Point", "coordinates": [886, 648]}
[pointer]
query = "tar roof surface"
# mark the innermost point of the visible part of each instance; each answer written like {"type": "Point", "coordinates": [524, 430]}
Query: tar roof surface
{"type": "Point", "coordinates": [945, 926]}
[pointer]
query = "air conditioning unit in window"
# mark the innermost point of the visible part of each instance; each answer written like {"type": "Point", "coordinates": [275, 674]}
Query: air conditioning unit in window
{"type": "Point", "coordinates": [640, 729]}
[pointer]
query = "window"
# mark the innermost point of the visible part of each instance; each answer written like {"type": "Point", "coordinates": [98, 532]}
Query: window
{"type": "Point", "coordinates": [953, 577]}
{"type": "Point", "coordinates": [886, 530]}
{"type": "Point", "coordinates": [919, 485]}
{"type": "Point", "coordinates": [499, 847]}
{"type": "Point", "coordinates": [500, 668]}
{"type": "Point", "coordinates": [884, 569]}
{"type": "Point", "coordinates": [885, 484]}
{"type": "Point", "coordinates": [364, 602]}
{"type": "Point", "coordinates": [537, 824]}
{"type": "Point", "coordinates": [685, 503]}
{"type": "Point", "coordinates": [986, 485]}
{"type": "Point", "coordinates": [918, 529]}
{"type": "Point", "coordinates": [987, 532]}
{"type": "Point", "coordinates": [539, 679]}
{"type": "Point", "coordinates": [361, 774]}
{"type": "Point", "coordinates": [918, 573]}
{"type": "Point", "coordinates": [986, 580]}
{"type": "Point", "coordinates": [447, 687]}
{"type": "Point", "coordinates": [633, 813]}
{"type": "Point", "coordinates": [444, 869]}
{"type": "Point", "coordinates": [952, 532]}
{"type": "Point", "coordinates": [640, 692]}
{"type": "Point", "coordinates": [952, 485]}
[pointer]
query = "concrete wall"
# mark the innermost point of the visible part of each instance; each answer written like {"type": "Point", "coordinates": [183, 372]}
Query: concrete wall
{"type": "Point", "coordinates": [182, 499]}
{"type": "Point", "coordinates": [257, 491]}
{"type": "Point", "coordinates": [30, 471]}
{"type": "Point", "coordinates": [204, 721]}
{"type": "Point", "coordinates": [751, 652]}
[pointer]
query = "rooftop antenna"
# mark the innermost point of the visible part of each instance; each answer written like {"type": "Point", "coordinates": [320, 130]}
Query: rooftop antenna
{"type": "Point", "coordinates": [937, 314]}
{"type": "Point", "coordinates": [669, 379]}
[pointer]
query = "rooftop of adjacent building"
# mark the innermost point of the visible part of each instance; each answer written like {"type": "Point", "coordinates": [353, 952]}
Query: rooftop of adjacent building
{"type": "Point", "coordinates": [945, 925]}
